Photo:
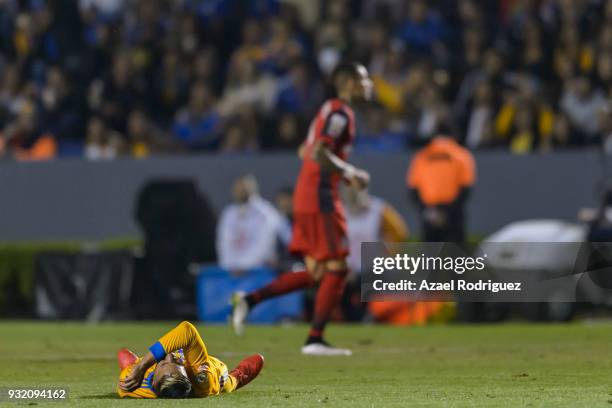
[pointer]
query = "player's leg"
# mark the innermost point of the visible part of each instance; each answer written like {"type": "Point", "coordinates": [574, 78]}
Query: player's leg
{"type": "Point", "coordinates": [285, 283]}
{"type": "Point", "coordinates": [328, 296]}
{"type": "Point", "coordinates": [327, 299]}
{"type": "Point", "coordinates": [331, 251]}
{"type": "Point", "coordinates": [288, 282]}
{"type": "Point", "coordinates": [126, 358]}
{"type": "Point", "coordinates": [301, 241]}
{"type": "Point", "coordinates": [247, 370]}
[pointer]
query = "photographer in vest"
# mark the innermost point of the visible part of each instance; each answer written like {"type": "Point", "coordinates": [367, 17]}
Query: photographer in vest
{"type": "Point", "coordinates": [439, 181]}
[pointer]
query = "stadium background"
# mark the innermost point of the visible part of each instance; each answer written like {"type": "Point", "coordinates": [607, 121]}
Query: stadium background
{"type": "Point", "coordinates": [124, 123]}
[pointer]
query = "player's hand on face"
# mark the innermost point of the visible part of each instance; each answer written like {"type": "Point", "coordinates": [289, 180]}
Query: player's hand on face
{"type": "Point", "coordinates": [133, 379]}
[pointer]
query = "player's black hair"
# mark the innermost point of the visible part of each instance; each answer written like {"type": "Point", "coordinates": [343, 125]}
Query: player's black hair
{"type": "Point", "coordinates": [348, 68]}
{"type": "Point", "coordinates": [174, 386]}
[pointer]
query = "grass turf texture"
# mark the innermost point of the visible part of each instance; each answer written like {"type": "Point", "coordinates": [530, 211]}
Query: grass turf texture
{"type": "Point", "coordinates": [488, 366]}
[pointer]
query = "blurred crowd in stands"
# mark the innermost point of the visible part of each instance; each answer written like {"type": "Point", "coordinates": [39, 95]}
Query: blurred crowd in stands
{"type": "Point", "coordinates": [110, 78]}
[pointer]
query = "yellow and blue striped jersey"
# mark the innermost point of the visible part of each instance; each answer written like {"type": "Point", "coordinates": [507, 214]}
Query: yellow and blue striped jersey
{"type": "Point", "coordinates": [208, 375]}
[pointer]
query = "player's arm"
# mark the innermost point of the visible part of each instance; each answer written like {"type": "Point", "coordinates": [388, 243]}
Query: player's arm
{"type": "Point", "coordinates": [330, 162]}
{"type": "Point", "coordinates": [133, 380]}
{"type": "Point", "coordinates": [326, 143]}
{"type": "Point", "coordinates": [184, 336]}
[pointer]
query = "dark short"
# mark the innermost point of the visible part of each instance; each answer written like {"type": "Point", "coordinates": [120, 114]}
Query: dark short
{"type": "Point", "coordinates": [321, 236]}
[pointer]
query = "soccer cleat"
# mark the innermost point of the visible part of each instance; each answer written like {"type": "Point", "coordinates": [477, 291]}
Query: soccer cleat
{"type": "Point", "coordinates": [240, 311]}
{"type": "Point", "coordinates": [126, 358]}
{"type": "Point", "coordinates": [247, 370]}
{"type": "Point", "coordinates": [324, 349]}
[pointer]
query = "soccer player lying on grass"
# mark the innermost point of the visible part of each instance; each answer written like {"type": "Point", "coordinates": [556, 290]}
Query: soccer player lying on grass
{"type": "Point", "coordinates": [178, 366]}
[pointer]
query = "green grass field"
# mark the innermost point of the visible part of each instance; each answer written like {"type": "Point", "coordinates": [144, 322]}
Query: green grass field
{"type": "Point", "coordinates": [487, 366]}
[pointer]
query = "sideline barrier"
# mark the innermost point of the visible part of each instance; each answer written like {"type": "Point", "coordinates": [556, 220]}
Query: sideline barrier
{"type": "Point", "coordinates": [215, 287]}
{"type": "Point", "coordinates": [77, 200]}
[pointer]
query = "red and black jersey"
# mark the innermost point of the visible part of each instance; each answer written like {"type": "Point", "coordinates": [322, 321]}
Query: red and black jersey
{"type": "Point", "coordinates": [316, 191]}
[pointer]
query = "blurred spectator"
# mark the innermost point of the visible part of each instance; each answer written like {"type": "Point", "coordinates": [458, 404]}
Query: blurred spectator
{"type": "Point", "coordinates": [479, 126]}
{"type": "Point", "coordinates": [171, 86]}
{"type": "Point", "coordinates": [604, 73]}
{"type": "Point", "coordinates": [280, 49]}
{"type": "Point", "coordinates": [251, 49]}
{"type": "Point", "coordinates": [248, 229]}
{"type": "Point", "coordinates": [472, 43]}
{"type": "Point", "coordinates": [60, 114]}
{"type": "Point", "coordinates": [331, 41]}
{"type": "Point", "coordinates": [297, 92]}
{"type": "Point", "coordinates": [600, 223]}
{"type": "Point", "coordinates": [563, 134]}
{"type": "Point", "coordinates": [108, 8]}
{"type": "Point", "coordinates": [392, 80]}
{"type": "Point", "coordinates": [491, 70]}
{"type": "Point", "coordinates": [241, 135]}
{"type": "Point", "coordinates": [423, 30]}
{"type": "Point", "coordinates": [439, 180]}
{"type": "Point", "coordinates": [113, 96]}
{"type": "Point", "coordinates": [205, 68]}
{"type": "Point", "coordinates": [287, 261]}
{"type": "Point", "coordinates": [581, 103]}
{"type": "Point", "coordinates": [145, 138]}
{"type": "Point", "coordinates": [284, 134]}
{"type": "Point", "coordinates": [523, 121]}
{"type": "Point", "coordinates": [198, 125]}
{"type": "Point", "coordinates": [284, 205]}
{"type": "Point", "coordinates": [101, 143]}
{"type": "Point", "coordinates": [247, 86]}
{"type": "Point", "coordinates": [11, 97]}
{"type": "Point", "coordinates": [376, 135]}
{"type": "Point", "coordinates": [24, 139]}
{"type": "Point", "coordinates": [370, 219]}
{"type": "Point", "coordinates": [605, 122]}
{"type": "Point", "coordinates": [376, 41]}
{"type": "Point", "coordinates": [432, 112]}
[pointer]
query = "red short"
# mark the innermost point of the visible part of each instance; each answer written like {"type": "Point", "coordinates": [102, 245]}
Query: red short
{"type": "Point", "coordinates": [321, 236]}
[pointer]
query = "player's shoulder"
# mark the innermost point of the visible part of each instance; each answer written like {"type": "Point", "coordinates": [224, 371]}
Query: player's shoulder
{"type": "Point", "coordinates": [336, 106]}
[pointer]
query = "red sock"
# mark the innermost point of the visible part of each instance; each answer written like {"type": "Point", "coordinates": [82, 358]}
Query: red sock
{"type": "Point", "coordinates": [126, 358]}
{"type": "Point", "coordinates": [247, 370]}
{"type": "Point", "coordinates": [329, 294]}
{"type": "Point", "coordinates": [285, 283]}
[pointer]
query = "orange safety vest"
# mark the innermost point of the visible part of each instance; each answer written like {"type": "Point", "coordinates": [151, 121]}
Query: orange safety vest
{"type": "Point", "coordinates": [440, 170]}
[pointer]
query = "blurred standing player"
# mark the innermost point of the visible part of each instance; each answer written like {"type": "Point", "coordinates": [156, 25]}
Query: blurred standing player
{"type": "Point", "coordinates": [319, 230]}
